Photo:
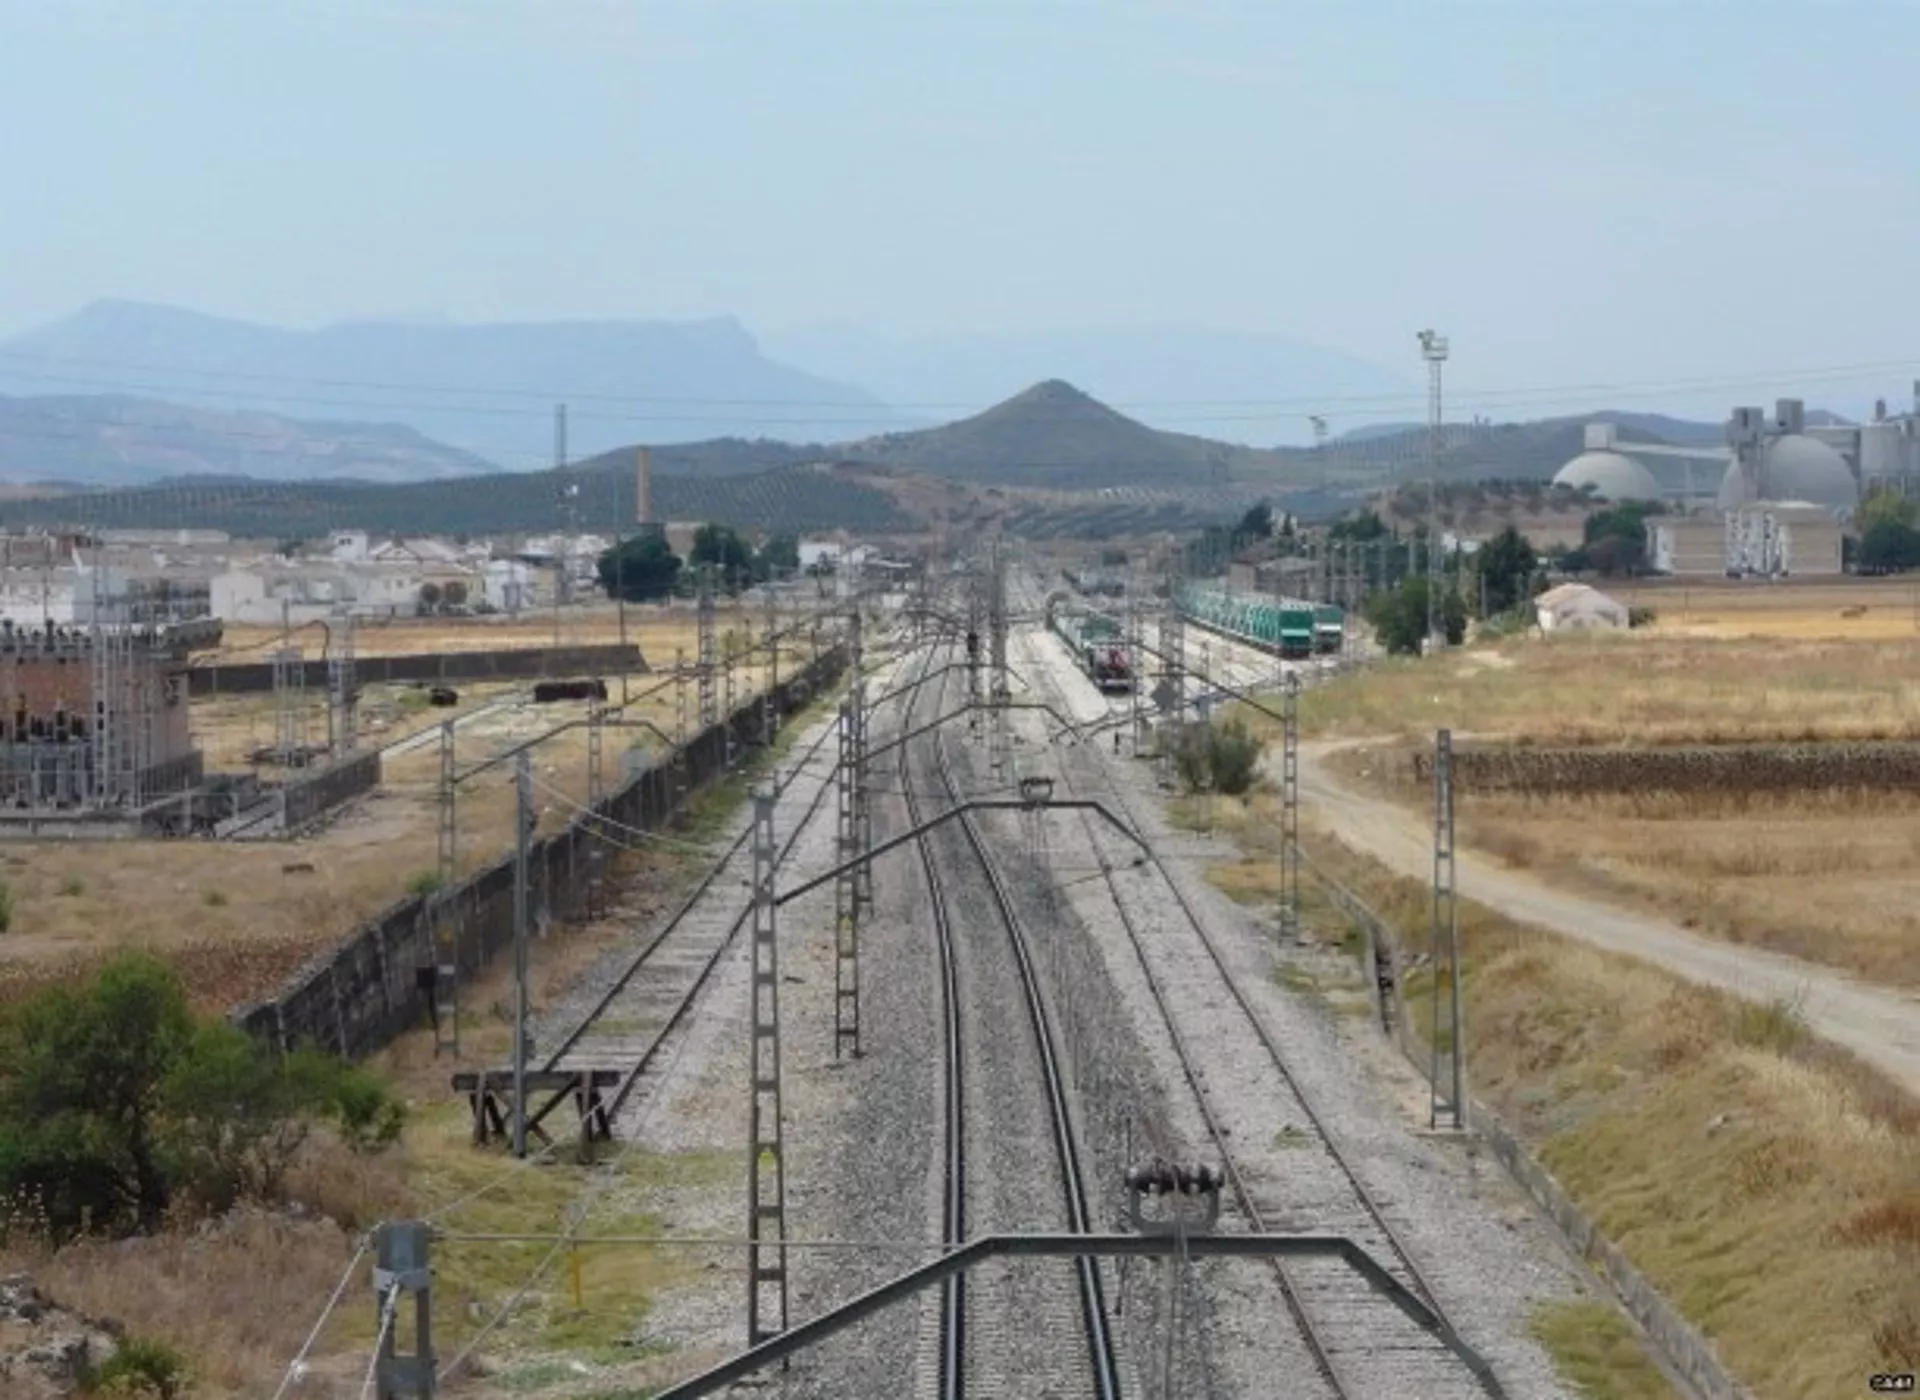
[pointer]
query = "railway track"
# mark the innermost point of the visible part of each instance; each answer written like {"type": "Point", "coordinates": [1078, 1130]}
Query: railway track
{"type": "Point", "coordinates": [631, 1023]}
{"type": "Point", "coordinates": [1359, 1343]}
{"type": "Point", "coordinates": [962, 1310]}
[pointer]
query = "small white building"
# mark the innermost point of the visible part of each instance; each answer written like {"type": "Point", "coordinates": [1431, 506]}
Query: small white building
{"type": "Point", "coordinates": [1575, 607]}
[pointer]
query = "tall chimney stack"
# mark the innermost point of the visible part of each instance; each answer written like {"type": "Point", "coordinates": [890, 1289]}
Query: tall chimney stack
{"type": "Point", "coordinates": [644, 499]}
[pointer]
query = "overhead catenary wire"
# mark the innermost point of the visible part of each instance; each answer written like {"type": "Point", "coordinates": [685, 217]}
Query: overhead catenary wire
{"type": "Point", "coordinates": [540, 400]}
{"type": "Point", "coordinates": [313, 1336]}
{"type": "Point", "coordinates": [388, 1308]}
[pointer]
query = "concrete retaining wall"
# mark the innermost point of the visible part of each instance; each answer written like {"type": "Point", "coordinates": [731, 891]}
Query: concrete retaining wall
{"type": "Point", "coordinates": [354, 999]}
{"type": "Point", "coordinates": [1685, 1350]}
{"type": "Point", "coordinates": [508, 663]}
{"type": "Point", "coordinates": [326, 788]}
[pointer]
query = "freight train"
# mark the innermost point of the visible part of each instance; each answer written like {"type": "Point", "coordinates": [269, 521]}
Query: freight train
{"type": "Point", "coordinates": [1290, 627]}
{"type": "Point", "coordinates": [1098, 646]}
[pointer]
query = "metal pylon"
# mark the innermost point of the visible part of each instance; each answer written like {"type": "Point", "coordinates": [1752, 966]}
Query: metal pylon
{"type": "Point", "coordinates": [769, 718]}
{"type": "Point", "coordinates": [709, 658]}
{"type": "Point", "coordinates": [846, 894]}
{"type": "Point", "coordinates": [290, 705]}
{"type": "Point", "coordinates": [447, 846]}
{"type": "Point", "coordinates": [766, 1170]}
{"type": "Point", "coordinates": [862, 799]}
{"type": "Point", "coordinates": [1290, 806]}
{"type": "Point", "coordinates": [446, 959]}
{"type": "Point", "coordinates": [1001, 688]}
{"type": "Point", "coordinates": [1449, 1105]}
{"type": "Point", "coordinates": [1136, 652]}
{"type": "Point", "coordinates": [343, 691]}
{"type": "Point", "coordinates": [596, 744]}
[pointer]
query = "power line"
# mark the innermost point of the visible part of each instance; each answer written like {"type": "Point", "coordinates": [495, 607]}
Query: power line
{"type": "Point", "coordinates": [1250, 409]}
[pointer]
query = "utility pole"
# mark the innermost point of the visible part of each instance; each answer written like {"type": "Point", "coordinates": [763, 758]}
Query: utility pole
{"type": "Point", "coordinates": [766, 1169]}
{"type": "Point", "coordinates": [1433, 348]}
{"type": "Point", "coordinates": [522, 918]}
{"type": "Point", "coordinates": [562, 580]}
{"type": "Point", "coordinates": [1449, 1047]}
{"type": "Point", "coordinates": [1290, 806]}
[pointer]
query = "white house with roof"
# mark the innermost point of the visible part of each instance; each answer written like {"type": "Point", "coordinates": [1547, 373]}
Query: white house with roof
{"type": "Point", "coordinates": [1573, 607]}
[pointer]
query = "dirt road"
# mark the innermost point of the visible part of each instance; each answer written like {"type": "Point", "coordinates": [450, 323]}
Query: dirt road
{"type": "Point", "coordinates": [1882, 1027]}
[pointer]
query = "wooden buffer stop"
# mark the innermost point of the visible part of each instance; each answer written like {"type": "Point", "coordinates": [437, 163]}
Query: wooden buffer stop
{"type": "Point", "coordinates": [490, 1094]}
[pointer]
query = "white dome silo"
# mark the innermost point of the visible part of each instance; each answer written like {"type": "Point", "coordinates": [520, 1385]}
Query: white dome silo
{"type": "Point", "coordinates": [1612, 475]}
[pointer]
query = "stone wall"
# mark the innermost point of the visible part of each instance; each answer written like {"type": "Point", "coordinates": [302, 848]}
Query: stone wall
{"type": "Point", "coordinates": [355, 998]}
{"type": "Point", "coordinates": [1721, 768]}
{"type": "Point", "coordinates": [509, 663]}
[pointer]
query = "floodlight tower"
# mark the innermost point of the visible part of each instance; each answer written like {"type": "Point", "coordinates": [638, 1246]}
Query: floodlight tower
{"type": "Point", "coordinates": [1433, 349]}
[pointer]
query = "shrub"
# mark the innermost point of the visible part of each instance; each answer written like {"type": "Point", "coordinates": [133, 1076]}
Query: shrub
{"type": "Point", "coordinates": [143, 1366]}
{"type": "Point", "coordinates": [117, 1105]}
{"type": "Point", "coordinates": [1220, 758]}
{"type": "Point", "coordinates": [368, 1115]}
{"type": "Point", "coordinates": [1233, 757]}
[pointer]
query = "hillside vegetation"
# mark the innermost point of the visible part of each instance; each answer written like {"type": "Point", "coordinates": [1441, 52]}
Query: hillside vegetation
{"type": "Point", "coordinates": [786, 498]}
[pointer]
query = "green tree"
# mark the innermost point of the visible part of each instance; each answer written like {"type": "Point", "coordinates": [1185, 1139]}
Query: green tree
{"type": "Point", "coordinates": [116, 1104]}
{"type": "Point", "coordinates": [1399, 617]}
{"type": "Point", "coordinates": [82, 1076]}
{"type": "Point", "coordinates": [779, 555]}
{"type": "Point", "coordinates": [721, 546]}
{"type": "Point", "coordinates": [641, 570]}
{"type": "Point", "coordinates": [1883, 507]}
{"type": "Point", "coordinates": [1256, 524]}
{"type": "Point", "coordinates": [1506, 565]}
{"type": "Point", "coordinates": [1615, 541]}
{"type": "Point", "coordinates": [1887, 547]}
{"type": "Point", "coordinates": [1361, 527]}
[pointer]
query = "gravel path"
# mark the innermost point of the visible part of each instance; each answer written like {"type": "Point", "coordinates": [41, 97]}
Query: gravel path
{"type": "Point", "coordinates": [1880, 1025]}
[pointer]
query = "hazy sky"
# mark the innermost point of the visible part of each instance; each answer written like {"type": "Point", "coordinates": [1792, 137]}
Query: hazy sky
{"type": "Point", "coordinates": [1578, 191]}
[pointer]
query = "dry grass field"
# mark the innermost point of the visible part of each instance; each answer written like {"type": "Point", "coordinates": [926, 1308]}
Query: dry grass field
{"type": "Point", "coordinates": [1631, 688]}
{"type": "Point", "coordinates": [657, 631]}
{"type": "Point", "coordinates": [239, 917]}
{"type": "Point", "coordinates": [1832, 878]}
{"type": "Point", "coordinates": [1825, 876]}
{"type": "Point", "coordinates": [1796, 609]}
{"type": "Point", "coordinates": [239, 1296]}
{"type": "Point", "coordinates": [1752, 1173]}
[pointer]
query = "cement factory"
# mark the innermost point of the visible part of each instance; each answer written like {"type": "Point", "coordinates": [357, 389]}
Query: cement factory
{"type": "Point", "coordinates": [1773, 502]}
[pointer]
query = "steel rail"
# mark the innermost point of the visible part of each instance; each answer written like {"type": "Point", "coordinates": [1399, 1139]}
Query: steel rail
{"type": "Point", "coordinates": [1100, 1346]}
{"type": "Point", "coordinates": [953, 1297]}
{"type": "Point", "coordinates": [1422, 1288]}
{"type": "Point", "coordinates": [645, 953]}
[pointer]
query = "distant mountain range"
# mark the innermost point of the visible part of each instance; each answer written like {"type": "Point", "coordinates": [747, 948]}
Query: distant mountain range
{"type": "Point", "coordinates": [124, 395]}
{"type": "Point", "coordinates": [489, 390]}
{"type": "Point", "coordinates": [116, 440]}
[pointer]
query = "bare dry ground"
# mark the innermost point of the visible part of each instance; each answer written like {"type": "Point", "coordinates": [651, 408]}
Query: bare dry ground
{"type": "Point", "coordinates": [1753, 1173]}
{"type": "Point", "coordinates": [239, 1296]}
{"type": "Point", "coordinates": [1829, 877]}
{"type": "Point", "coordinates": [239, 917]}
